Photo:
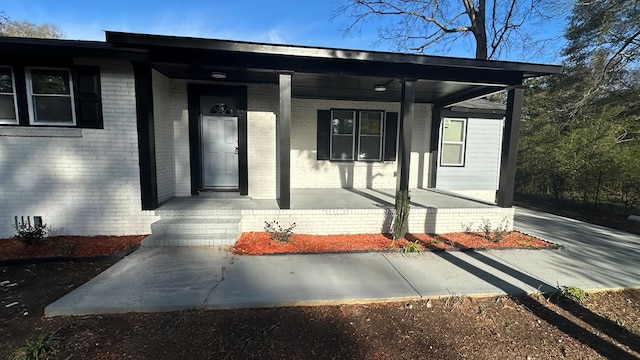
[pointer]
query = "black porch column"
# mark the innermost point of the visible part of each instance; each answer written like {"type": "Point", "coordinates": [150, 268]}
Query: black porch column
{"type": "Point", "coordinates": [510, 139]}
{"type": "Point", "coordinates": [434, 143]}
{"type": "Point", "coordinates": [284, 139]}
{"type": "Point", "coordinates": [405, 131]}
{"type": "Point", "coordinates": [146, 135]}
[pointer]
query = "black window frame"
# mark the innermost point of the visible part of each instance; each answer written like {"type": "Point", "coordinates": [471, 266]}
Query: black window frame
{"type": "Point", "coordinates": [32, 95]}
{"type": "Point", "coordinates": [85, 92]}
{"type": "Point", "coordinates": [360, 136]}
{"type": "Point", "coordinates": [388, 141]}
{"type": "Point", "coordinates": [14, 95]}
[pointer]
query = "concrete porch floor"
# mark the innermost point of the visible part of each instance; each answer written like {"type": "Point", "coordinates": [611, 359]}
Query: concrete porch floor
{"type": "Point", "coordinates": [312, 199]}
{"type": "Point", "coordinates": [318, 211]}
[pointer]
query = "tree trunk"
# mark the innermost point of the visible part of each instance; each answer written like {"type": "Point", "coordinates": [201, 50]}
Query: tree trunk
{"type": "Point", "coordinates": [598, 189]}
{"type": "Point", "coordinates": [478, 26]}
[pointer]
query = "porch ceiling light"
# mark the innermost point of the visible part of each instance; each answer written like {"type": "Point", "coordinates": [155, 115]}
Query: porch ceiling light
{"type": "Point", "coordinates": [218, 75]}
{"type": "Point", "coordinates": [380, 87]}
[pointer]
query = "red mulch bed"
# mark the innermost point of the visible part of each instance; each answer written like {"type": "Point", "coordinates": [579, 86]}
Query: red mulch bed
{"type": "Point", "coordinates": [259, 243]}
{"type": "Point", "coordinates": [68, 246]}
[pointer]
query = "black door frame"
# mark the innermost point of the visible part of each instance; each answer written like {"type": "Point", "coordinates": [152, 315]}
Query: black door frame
{"type": "Point", "coordinates": [194, 93]}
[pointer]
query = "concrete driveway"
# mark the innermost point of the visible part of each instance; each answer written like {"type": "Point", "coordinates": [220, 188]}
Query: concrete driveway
{"type": "Point", "coordinates": [165, 278]}
{"type": "Point", "coordinates": [594, 257]}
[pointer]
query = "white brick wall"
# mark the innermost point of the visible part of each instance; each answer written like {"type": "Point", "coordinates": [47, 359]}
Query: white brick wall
{"type": "Point", "coordinates": [165, 170]}
{"type": "Point", "coordinates": [307, 172]}
{"type": "Point", "coordinates": [84, 184]}
{"type": "Point", "coordinates": [263, 104]}
{"type": "Point", "coordinates": [484, 195]}
{"type": "Point", "coordinates": [367, 221]}
{"type": "Point", "coordinates": [180, 118]}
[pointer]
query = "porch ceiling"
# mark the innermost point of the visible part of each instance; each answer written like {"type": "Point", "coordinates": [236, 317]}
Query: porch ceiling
{"type": "Point", "coordinates": [331, 73]}
{"type": "Point", "coordinates": [339, 87]}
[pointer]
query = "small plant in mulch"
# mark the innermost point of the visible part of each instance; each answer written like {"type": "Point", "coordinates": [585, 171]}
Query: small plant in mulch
{"type": "Point", "coordinates": [413, 247]}
{"type": "Point", "coordinates": [277, 232]}
{"type": "Point", "coordinates": [30, 234]}
{"type": "Point", "coordinates": [496, 234]}
{"type": "Point", "coordinates": [436, 240]}
{"type": "Point", "coordinates": [575, 293]}
{"type": "Point", "coordinates": [454, 300]}
{"type": "Point", "coordinates": [38, 348]}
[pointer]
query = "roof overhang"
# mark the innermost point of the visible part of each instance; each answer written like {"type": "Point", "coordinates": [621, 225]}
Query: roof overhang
{"type": "Point", "coordinates": [318, 72]}
{"type": "Point", "coordinates": [331, 73]}
{"type": "Point", "coordinates": [14, 47]}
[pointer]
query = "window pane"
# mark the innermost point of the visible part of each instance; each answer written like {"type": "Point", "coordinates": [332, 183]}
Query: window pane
{"type": "Point", "coordinates": [451, 154]}
{"type": "Point", "coordinates": [50, 81]}
{"type": "Point", "coordinates": [369, 148]}
{"type": "Point", "coordinates": [453, 130]}
{"type": "Point", "coordinates": [370, 122]}
{"type": "Point", "coordinates": [342, 122]}
{"type": "Point", "coordinates": [52, 108]}
{"type": "Point", "coordinates": [7, 108]}
{"type": "Point", "coordinates": [342, 147]}
{"type": "Point", "coordinates": [6, 83]}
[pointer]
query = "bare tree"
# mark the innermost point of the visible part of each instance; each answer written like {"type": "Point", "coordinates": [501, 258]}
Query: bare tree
{"type": "Point", "coordinates": [28, 29]}
{"type": "Point", "coordinates": [415, 25]}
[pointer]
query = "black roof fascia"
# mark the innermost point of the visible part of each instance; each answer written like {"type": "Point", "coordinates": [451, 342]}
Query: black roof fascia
{"type": "Point", "coordinates": [68, 48]}
{"type": "Point", "coordinates": [161, 41]}
{"type": "Point", "coordinates": [261, 61]}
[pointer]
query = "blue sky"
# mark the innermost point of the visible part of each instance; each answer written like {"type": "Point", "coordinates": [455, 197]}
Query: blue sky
{"type": "Point", "coordinates": [298, 22]}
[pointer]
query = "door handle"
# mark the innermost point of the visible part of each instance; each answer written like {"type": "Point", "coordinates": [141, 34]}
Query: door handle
{"type": "Point", "coordinates": [236, 150]}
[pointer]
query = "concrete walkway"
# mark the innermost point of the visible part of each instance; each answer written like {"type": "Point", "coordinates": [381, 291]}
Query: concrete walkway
{"type": "Point", "coordinates": [164, 279]}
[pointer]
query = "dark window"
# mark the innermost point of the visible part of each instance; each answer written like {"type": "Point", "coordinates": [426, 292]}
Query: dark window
{"type": "Point", "coordinates": [370, 140]}
{"type": "Point", "coordinates": [342, 134]}
{"type": "Point", "coordinates": [51, 96]}
{"type": "Point", "coordinates": [8, 103]}
{"type": "Point", "coordinates": [364, 135]}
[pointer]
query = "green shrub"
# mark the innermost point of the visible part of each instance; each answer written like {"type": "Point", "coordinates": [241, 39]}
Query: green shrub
{"type": "Point", "coordinates": [413, 246]}
{"type": "Point", "coordinates": [575, 293]}
{"type": "Point", "coordinates": [494, 234]}
{"type": "Point", "coordinates": [277, 232]}
{"type": "Point", "coordinates": [38, 348]}
{"type": "Point", "coordinates": [30, 234]}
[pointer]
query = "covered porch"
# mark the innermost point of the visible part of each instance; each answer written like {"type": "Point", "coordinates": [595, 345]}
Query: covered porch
{"type": "Point", "coordinates": [326, 199]}
{"type": "Point", "coordinates": [223, 216]}
{"type": "Point", "coordinates": [290, 105]}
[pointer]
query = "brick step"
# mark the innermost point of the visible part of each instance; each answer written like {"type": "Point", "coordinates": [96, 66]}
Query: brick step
{"type": "Point", "coordinates": [200, 213]}
{"type": "Point", "coordinates": [196, 226]}
{"type": "Point", "coordinates": [183, 229]}
{"type": "Point", "coordinates": [187, 240]}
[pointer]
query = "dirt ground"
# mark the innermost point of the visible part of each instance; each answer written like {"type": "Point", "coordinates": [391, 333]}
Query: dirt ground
{"type": "Point", "coordinates": [456, 327]}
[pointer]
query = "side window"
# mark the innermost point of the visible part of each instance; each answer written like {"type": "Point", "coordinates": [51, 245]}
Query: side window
{"type": "Point", "coordinates": [342, 134]}
{"type": "Point", "coordinates": [370, 137]}
{"type": "Point", "coordinates": [50, 97]}
{"type": "Point", "coordinates": [8, 101]}
{"type": "Point", "coordinates": [452, 148]}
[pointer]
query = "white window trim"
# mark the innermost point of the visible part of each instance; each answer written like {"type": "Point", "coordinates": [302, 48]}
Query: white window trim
{"type": "Point", "coordinates": [379, 136]}
{"type": "Point", "coordinates": [463, 142]}
{"type": "Point", "coordinates": [30, 95]}
{"type": "Point", "coordinates": [353, 134]}
{"type": "Point", "coordinates": [15, 98]}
